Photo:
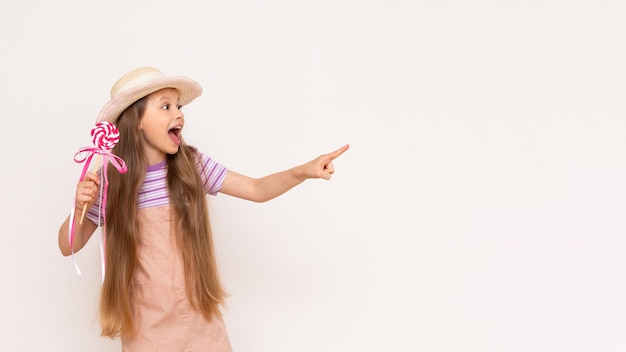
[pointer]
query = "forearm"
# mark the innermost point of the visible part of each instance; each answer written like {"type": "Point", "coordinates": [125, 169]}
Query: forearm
{"type": "Point", "coordinates": [271, 186]}
{"type": "Point", "coordinates": [274, 185]}
{"type": "Point", "coordinates": [82, 233]}
{"type": "Point", "coordinates": [264, 188]}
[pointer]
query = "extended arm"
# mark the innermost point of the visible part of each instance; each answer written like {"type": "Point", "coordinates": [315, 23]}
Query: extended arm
{"type": "Point", "coordinates": [271, 186]}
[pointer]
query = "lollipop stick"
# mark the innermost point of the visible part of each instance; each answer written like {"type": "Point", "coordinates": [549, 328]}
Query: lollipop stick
{"type": "Point", "coordinates": [82, 215]}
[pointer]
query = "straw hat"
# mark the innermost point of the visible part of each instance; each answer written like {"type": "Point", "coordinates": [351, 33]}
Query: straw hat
{"type": "Point", "coordinates": [140, 82]}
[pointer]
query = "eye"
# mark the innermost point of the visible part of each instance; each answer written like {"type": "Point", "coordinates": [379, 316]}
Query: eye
{"type": "Point", "coordinates": [180, 107]}
{"type": "Point", "coordinates": [165, 107]}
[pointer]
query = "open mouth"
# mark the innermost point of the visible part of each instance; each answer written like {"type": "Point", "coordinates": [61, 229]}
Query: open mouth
{"type": "Point", "coordinates": [174, 134]}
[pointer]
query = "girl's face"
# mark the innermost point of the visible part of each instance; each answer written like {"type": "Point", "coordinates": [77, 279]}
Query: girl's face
{"type": "Point", "coordinates": [161, 125]}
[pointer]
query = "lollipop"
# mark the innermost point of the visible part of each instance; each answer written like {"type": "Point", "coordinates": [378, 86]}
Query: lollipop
{"type": "Point", "coordinates": [105, 136]}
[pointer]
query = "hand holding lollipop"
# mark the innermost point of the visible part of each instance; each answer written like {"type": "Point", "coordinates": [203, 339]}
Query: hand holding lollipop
{"type": "Point", "coordinates": [105, 136]}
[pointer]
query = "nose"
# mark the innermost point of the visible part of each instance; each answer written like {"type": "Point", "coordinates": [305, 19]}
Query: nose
{"type": "Point", "coordinates": [180, 115]}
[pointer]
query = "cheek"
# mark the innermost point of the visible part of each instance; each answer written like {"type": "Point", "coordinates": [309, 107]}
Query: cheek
{"type": "Point", "coordinates": [153, 132]}
{"type": "Point", "coordinates": [147, 133]}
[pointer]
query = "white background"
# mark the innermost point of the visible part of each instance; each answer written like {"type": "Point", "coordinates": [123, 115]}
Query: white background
{"type": "Point", "coordinates": [480, 206]}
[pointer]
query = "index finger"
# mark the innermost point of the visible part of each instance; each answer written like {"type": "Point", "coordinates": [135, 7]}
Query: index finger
{"type": "Point", "coordinates": [338, 152]}
{"type": "Point", "coordinates": [90, 176]}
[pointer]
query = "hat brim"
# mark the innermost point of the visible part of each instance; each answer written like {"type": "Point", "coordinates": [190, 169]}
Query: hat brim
{"type": "Point", "coordinates": [187, 88]}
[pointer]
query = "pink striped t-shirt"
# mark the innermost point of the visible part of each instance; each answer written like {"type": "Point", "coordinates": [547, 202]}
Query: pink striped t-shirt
{"type": "Point", "coordinates": [153, 192]}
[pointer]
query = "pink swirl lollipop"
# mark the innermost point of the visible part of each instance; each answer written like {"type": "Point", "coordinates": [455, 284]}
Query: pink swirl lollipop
{"type": "Point", "coordinates": [105, 135]}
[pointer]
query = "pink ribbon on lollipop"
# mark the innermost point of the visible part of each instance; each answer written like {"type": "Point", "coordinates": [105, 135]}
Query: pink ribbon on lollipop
{"type": "Point", "coordinates": [105, 136]}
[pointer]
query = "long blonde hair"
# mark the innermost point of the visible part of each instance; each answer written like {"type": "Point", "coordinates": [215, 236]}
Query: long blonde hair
{"type": "Point", "coordinates": [190, 209]}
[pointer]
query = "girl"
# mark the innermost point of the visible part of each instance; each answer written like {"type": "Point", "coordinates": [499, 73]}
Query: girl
{"type": "Point", "coordinates": [161, 289]}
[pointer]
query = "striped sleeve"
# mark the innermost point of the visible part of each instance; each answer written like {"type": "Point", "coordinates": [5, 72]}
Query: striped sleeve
{"type": "Point", "coordinates": [212, 173]}
{"type": "Point", "coordinates": [92, 214]}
